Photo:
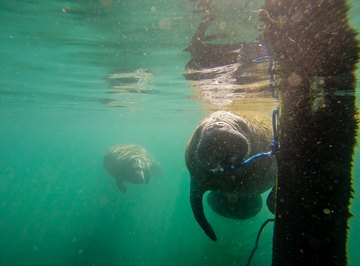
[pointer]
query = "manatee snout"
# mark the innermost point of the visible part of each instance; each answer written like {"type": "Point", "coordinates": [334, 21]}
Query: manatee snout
{"type": "Point", "coordinates": [138, 177]}
{"type": "Point", "coordinates": [139, 171]}
{"type": "Point", "coordinates": [221, 147]}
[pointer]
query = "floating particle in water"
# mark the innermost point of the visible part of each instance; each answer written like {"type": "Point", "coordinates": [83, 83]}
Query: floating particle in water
{"type": "Point", "coordinates": [326, 211]}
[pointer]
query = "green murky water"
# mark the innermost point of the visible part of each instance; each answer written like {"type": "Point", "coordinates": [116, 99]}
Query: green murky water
{"type": "Point", "coordinates": [77, 77]}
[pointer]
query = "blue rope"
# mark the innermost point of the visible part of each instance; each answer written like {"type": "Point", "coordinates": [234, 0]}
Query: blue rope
{"type": "Point", "coordinates": [257, 156]}
{"type": "Point", "coordinates": [274, 144]}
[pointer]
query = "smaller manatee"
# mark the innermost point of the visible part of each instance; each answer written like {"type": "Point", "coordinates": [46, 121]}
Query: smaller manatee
{"type": "Point", "coordinates": [130, 163]}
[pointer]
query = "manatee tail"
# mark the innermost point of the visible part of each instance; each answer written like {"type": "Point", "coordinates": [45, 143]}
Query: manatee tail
{"type": "Point", "coordinates": [234, 205]}
{"type": "Point", "coordinates": [196, 195]}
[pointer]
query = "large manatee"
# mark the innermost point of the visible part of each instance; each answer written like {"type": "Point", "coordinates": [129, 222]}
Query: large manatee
{"type": "Point", "coordinates": [215, 157]}
{"type": "Point", "coordinates": [130, 163]}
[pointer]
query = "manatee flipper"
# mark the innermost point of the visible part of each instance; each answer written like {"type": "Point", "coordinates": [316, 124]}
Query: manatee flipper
{"type": "Point", "coordinates": [121, 186]}
{"type": "Point", "coordinates": [271, 200]}
{"type": "Point", "coordinates": [196, 195]}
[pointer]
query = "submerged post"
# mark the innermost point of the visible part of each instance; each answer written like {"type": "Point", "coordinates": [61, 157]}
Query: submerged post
{"type": "Point", "coordinates": [316, 51]}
